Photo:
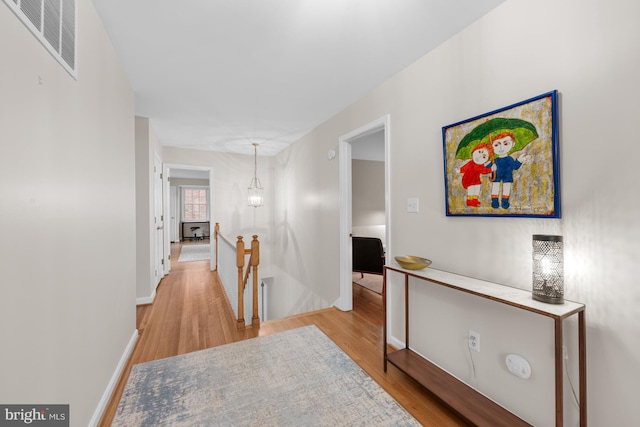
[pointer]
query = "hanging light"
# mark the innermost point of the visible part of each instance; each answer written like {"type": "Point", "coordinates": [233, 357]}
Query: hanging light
{"type": "Point", "coordinates": [256, 192]}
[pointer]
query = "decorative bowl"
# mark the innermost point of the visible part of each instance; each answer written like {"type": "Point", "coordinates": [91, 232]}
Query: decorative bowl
{"type": "Point", "coordinates": [412, 262]}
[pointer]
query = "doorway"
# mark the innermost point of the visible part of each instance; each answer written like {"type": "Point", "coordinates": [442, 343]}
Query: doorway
{"type": "Point", "coordinates": [174, 175]}
{"type": "Point", "coordinates": [358, 141]}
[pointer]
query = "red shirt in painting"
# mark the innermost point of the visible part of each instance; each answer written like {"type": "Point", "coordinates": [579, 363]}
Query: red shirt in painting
{"type": "Point", "coordinates": [471, 173]}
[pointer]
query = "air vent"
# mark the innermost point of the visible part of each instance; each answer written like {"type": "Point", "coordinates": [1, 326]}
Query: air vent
{"type": "Point", "coordinates": [53, 22]}
{"type": "Point", "coordinates": [32, 9]}
{"type": "Point", "coordinates": [68, 32]}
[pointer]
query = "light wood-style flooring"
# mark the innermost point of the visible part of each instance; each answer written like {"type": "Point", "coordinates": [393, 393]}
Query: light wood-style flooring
{"type": "Point", "coordinates": [191, 313]}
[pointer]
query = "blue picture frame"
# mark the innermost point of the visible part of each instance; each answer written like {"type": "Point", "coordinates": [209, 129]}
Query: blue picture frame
{"type": "Point", "coordinates": [504, 163]}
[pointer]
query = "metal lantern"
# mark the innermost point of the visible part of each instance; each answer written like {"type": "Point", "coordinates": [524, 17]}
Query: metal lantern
{"type": "Point", "coordinates": [548, 269]}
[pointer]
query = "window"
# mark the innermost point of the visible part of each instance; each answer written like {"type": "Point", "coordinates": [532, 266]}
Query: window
{"type": "Point", "coordinates": [53, 22]}
{"type": "Point", "coordinates": [195, 204]}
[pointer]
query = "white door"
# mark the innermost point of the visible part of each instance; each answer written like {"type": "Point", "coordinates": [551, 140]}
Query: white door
{"type": "Point", "coordinates": [158, 221]}
{"type": "Point", "coordinates": [173, 223]}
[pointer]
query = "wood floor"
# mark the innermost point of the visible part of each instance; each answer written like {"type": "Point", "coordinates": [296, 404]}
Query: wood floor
{"type": "Point", "coordinates": [191, 313]}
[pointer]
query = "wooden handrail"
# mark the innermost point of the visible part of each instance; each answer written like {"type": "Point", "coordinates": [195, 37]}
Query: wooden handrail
{"type": "Point", "coordinates": [243, 277]}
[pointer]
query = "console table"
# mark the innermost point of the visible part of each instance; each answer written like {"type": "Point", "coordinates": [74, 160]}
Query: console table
{"type": "Point", "coordinates": [461, 398]}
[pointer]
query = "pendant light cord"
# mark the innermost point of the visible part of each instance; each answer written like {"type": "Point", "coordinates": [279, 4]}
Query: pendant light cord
{"type": "Point", "coordinates": [255, 161]}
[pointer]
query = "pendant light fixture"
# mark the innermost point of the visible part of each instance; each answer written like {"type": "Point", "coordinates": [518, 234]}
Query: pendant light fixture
{"type": "Point", "coordinates": [256, 192]}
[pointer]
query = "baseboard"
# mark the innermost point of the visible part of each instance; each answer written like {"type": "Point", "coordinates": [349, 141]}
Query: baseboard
{"type": "Point", "coordinates": [342, 304]}
{"type": "Point", "coordinates": [395, 342]}
{"type": "Point", "coordinates": [104, 401]}
{"type": "Point", "coordinates": [146, 300]}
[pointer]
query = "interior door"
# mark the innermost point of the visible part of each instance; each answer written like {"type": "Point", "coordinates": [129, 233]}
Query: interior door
{"type": "Point", "coordinates": [173, 224]}
{"type": "Point", "coordinates": [158, 222]}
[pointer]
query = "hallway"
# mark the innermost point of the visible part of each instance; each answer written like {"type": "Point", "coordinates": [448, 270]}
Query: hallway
{"type": "Point", "coordinates": [191, 313]}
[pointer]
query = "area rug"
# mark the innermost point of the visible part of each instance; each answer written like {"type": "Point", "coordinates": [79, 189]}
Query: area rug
{"type": "Point", "coordinates": [194, 253]}
{"type": "Point", "coordinates": [373, 282]}
{"type": "Point", "coordinates": [293, 378]}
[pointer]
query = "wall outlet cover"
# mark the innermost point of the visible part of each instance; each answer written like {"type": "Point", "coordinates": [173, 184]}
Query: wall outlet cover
{"type": "Point", "coordinates": [474, 340]}
{"type": "Point", "coordinates": [518, 366]}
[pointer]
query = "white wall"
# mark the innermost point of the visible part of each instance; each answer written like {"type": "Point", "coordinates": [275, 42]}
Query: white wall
{"type": "Point", "coordinates": [587, 50]}
{"type": "Point", "coordinates": [368, 197]}
{"type": "Point", "coordinates": [232, 174]}
{"type": "Point", "coordinates": [67, 218]}
{"type": "Point", "coordinates": [306, 250]}
{"type": "Point", "coordinates": [144, 210]}
{"type": "Point", "coordinates": [368, 193]}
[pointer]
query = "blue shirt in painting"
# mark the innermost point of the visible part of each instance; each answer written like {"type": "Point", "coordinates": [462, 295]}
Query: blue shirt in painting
{"type": "Point", "coordinates": [505, 167]}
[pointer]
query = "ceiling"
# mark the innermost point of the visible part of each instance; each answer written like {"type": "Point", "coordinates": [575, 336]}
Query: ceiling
{"type": "Point", "coordinates": [221, 74]}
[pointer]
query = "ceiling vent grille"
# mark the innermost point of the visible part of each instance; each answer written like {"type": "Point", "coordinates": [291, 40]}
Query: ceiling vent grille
{"type": "Point", "coordinates": [53, 22]}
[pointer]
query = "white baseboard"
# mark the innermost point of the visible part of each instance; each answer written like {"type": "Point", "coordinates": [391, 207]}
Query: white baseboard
{"type": "Point", "coordinates": [395, 342]}
{"type": "Point", "coordinates": [146, 300]}
{"type": "Point", "coordinates": [343, 303]}
{"type": "Point", "coordinates": [97, 414]}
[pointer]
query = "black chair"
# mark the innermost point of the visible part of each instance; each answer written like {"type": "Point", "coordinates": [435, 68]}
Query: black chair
{"type": "Point", "coordinates": [194, 232]}
{"type": "Point", "coordinates": [368, 255]}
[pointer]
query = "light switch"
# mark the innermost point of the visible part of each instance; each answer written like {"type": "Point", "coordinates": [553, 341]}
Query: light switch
{"type": "Point", "coordinates": [412, 204]}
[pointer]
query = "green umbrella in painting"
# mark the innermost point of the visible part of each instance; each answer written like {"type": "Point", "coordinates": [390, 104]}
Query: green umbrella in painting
{"type": "Point", "coordinates": [523, 131]}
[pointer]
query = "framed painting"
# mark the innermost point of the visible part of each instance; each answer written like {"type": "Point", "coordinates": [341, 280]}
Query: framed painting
{"type": "Point", "coordinates": [505, 162]}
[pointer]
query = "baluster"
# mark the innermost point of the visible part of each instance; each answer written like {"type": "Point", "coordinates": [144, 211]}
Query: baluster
{"type": "Point", "coordinates": [240, 263]}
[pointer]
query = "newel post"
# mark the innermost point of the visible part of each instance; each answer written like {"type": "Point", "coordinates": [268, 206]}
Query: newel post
{"type": "Point", "coordinates": [216, 231]}
{"type": "Point", "coordinates": [255, 261]}
{"type": "Point", "coordinates": [240, 263]}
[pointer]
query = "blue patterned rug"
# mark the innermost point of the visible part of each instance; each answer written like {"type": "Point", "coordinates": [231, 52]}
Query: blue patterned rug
{"type": "Point", "coordinates": [293, 378]}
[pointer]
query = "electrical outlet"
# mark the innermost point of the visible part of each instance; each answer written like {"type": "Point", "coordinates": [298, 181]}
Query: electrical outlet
{"type": "Point", "coordinates": [474, 340]}
{"type": "Point", "coordinates": [565, 353]}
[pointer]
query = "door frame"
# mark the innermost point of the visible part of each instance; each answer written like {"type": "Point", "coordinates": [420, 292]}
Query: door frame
{"type": "Point", "coordinates": [167, 241]}
{"type": "Point", "coordinates": [345, 301]}
{"type": "Point", "coordinates": [159, 249]}
{"type": "Point", "coordinates": [174, 234]}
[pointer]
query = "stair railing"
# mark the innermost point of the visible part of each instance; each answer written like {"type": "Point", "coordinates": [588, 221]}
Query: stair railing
{"type": "Point", "coordinates": [243, 278]}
